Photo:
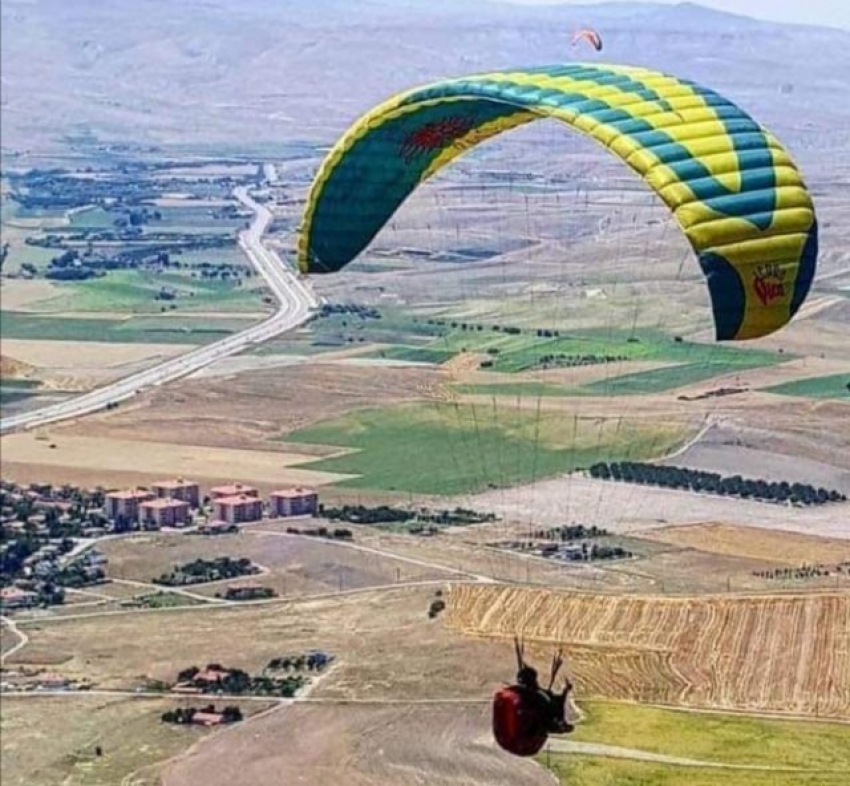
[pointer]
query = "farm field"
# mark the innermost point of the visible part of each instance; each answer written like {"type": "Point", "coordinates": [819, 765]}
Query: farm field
{"type": "Point", "coordinates": [450, 449]}
{"type": "Point", "coordinates": [579, 770]}
{"type": "Point", "coordinates": [626, 508]}
{"type": "Point", "coordinates": [786, 548]}
{"type": "Point", "coordinates": [833, 386]}
{"type": "Point", "coordinates": [135, 292]}
{"type": "Point", "coordinates": [127, 456]}
{"type": "Point", "coordinates": [715, 737]}
{"type": "Point", "coordinates": [160, 329]}
{"type": "Point", "coordinates": [784, 653]}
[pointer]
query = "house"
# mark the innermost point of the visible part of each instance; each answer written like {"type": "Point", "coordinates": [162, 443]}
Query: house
{"type": "Point", "coordinates": [233, 490]}
{"type": "Point", "coordinates": [248, 592]}
{"type": "Point", "coordinates": [125, 504]}
{"type": "Point", "coordinates": [16, 598]}
{"type": "Point", "coordinates": [186, 688]}
{"type": "Point", "coordinates": [217, 528]}
{"type": "Point", "coordinates": [180, 489]}
{"type": "Point", "coordinates": [163, 512]}
{"type": "Point", "coordinates": [238, 509]}
{"type": "Point", "coordinates": [207, 718]}
{"type": "Point", "coordinates": [53, 681]}
{"type": "Point", "coordinates": [211, 675]}
{"type": "Point", "coordinates": [293, 502]}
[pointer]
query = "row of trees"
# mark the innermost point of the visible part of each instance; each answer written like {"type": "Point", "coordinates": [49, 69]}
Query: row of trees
{"type": "Point", "coordinates": [311, 661]}
{"type": "Point", "coordinates": [570, 532]}
{"type": "Point", "coordinates": [364, 312]}
{"type": "Point", "coordinates": [714, 483]}
{"type": "Point", "coordinates": [804, 572]}
{"type": "Point", "coordinates": [202, 570]}
{"type": "Point", "coordinates": [323, 532]}
{"type": "Point", "coordinates": [561, 360]}
{"type": "Point", "coordinates": [386, 514]}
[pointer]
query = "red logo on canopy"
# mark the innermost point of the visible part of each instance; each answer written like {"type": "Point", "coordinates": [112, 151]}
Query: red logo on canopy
{"type": "Point", "coordinates": [435, 136]}
{"type": "Point", "coordinates": [769, 284]}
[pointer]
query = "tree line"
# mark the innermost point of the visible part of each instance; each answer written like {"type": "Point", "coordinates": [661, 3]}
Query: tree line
{"type": "Point", "coordinates": [804, 572]}
{"type": "Point", "coordinates": [714, 483]}
{"type": "Point", "coordinates": [387, 514]}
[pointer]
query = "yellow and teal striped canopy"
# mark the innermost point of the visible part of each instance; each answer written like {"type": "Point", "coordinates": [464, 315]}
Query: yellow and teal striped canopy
{"type": "Point", "coordinates": [732, 187]}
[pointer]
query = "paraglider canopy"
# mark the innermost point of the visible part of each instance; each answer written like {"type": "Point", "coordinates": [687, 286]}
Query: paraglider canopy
{"type": "Point", "coordinates": [730, 184]}
{"type": "Point", "coordinates": [590, 36]}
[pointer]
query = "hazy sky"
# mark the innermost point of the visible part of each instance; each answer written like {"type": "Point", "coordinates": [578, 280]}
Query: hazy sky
{"type": "Point", "coordinates": [835, 13]}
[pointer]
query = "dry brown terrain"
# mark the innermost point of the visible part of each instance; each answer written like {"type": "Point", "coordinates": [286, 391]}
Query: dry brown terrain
{"type": "Point", "coordinates": [245, 411]}
{"type": "Point", "coordinates": [387, 648]}
{"type": "Point", "coordinates": [362, 745]}
{"type": "Point", "coordinates": [787, 548]}
{"type": "Point", "coordinates": [783, 653]}
{"type": "Point", "coordinates": [166, 460]}
{"type": "Point", "coordinates": [46, 743]}
{"type": "Point", "coordinates": [633, 509]}
{"type": "Point", "coordinates": [293, 565]}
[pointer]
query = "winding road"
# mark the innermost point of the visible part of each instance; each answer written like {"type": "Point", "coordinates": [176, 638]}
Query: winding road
{"type": "Point", "coordinates": [296, 302]}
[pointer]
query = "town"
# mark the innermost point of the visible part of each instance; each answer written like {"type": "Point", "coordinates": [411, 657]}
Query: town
{"type": "Point", "coordinates": [48, 534]}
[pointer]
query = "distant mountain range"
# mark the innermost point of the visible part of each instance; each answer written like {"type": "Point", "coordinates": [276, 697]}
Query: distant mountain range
{"type": "Point", "coordinates": [246, 75]}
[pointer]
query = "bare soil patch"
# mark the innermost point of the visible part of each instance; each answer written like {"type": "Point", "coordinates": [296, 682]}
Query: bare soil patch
{"type": "Point", "coordinates": [628, 508]}
{"type": "Point", "coordinates": [20, 294]}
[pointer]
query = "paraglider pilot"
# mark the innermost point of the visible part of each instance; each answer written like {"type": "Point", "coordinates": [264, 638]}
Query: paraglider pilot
{"type": "Point", "coordinates": [525, 714]}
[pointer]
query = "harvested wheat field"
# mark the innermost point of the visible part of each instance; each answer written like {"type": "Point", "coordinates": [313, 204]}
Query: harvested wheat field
{"type": "Point", "coordinates": [781, 548]}
{"type": "Point", "coordinates": [771, 654]}
{"type": "Point", "coordinates": [365, 745]}
{"type": "Point", "coordinates": [167, 460]}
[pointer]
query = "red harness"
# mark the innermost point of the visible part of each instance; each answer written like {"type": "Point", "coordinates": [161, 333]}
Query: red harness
{"type": "Point", "coordinates": [517, 725]}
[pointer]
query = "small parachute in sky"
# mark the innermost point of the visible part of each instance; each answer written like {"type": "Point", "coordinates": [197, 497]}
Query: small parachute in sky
{"type": "Point", "coordinates": [591, 36]}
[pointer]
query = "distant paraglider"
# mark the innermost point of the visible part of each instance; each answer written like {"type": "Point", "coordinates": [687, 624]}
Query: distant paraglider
{"type": "Point", "coordinates": [590, 36]}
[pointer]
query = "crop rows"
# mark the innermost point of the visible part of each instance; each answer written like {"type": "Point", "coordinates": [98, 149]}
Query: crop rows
{"type": "Point", "coordinates": [786, 653]}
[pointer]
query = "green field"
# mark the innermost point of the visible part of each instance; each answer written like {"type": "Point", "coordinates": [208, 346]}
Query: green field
{"type": "Point", "coordinates": [833, 386]}
{"type": "Point", "coordinates": [452, 449]}
{"type": "Point", "coordinates": [134, 292]}
{"type": "Point", "coordinates": [416, 354]}
{"type": "Point", "coordinates": [690, 362]}
{"type": "Point", "coordinates": [21, 254]}
{"type": "Point", "coordinates": [661, 379]}
{"type": "Point", "coordinates": [193, 219]}
{"type": "Point", "coordinates": [134, 330]}
{"type": "Point", "coordinates": [579, 770]}
{"type": "Point", "coordinates": [821, 748]}
{"type": "Point", "coordinates": [93, 218]}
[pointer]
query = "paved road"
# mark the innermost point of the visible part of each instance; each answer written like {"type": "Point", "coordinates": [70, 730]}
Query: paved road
{"type": "Point", "coordinates": [296, 303]}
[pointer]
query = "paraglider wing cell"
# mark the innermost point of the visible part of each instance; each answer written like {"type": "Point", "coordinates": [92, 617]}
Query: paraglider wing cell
{"type": "Point", "coordinates": [731, 186]}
